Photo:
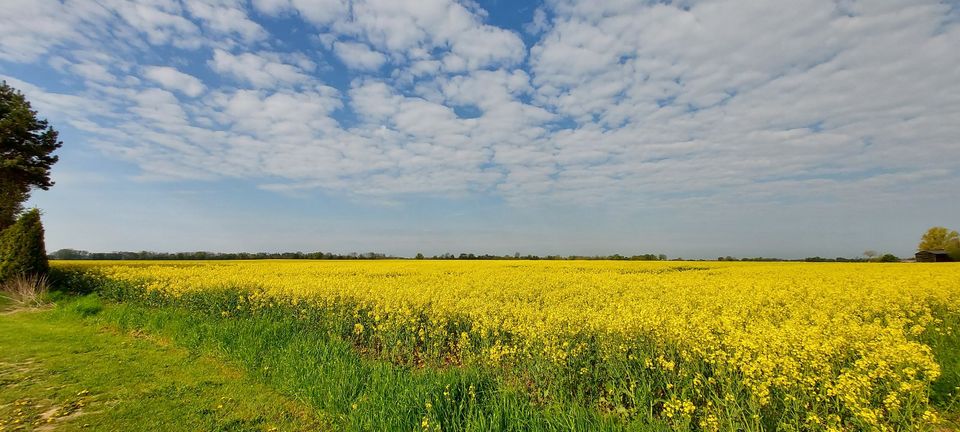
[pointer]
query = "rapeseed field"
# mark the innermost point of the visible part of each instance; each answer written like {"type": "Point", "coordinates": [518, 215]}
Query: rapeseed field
{"type": "Point", "coordinates": [695, 345]}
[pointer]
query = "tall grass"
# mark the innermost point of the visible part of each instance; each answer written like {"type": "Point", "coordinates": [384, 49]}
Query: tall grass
{"type": "Point", "coordinates": [26, 290]}
{"type": "Point", "coordinates": [945, 392]}
{"type": "Point", "coordinates": [360, 393]}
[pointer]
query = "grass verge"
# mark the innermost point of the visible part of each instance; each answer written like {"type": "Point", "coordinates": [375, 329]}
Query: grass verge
{"type": "Point", "coordinates": [60, 372]}
{"type": "Point", "coordinates": [95, 365]}
{"type": "Point", "coordinates": [358, 393]}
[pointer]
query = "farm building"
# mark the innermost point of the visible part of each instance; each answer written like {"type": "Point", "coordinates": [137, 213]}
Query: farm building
{"type": "Point", "coordinates": [933, 256]}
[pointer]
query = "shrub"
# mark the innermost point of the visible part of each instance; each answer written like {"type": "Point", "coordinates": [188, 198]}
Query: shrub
{"type": "Point", "coordinates": [954, 252]}
{"type": "Point", "coordinates": [22, 251]}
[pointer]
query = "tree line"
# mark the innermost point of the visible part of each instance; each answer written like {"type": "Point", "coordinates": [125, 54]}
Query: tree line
{"type": "Point", "coordinates": [518, 256]}
{"type": "Point", "coordinates": [74, 254]}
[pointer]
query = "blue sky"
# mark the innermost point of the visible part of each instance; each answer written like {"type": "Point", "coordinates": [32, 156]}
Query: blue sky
{"type": "Point", "coordinates": [691, 128]}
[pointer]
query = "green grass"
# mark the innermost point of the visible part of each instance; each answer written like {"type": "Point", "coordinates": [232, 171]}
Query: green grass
{"type": "Point", "coordinates": [945, 391]}
{"type": "Point", "coordinates": [121, 366]}
{"type": "Point", "coordinates": [358, 393]}
{"type": "Point", "coordinates": [61, 372]}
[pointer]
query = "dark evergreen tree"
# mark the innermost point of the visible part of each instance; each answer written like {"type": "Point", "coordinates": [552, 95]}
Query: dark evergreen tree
{"type": "Point", "coordinates": [27, 144]}
{"type": "Point", "coordinates": [22, 250]}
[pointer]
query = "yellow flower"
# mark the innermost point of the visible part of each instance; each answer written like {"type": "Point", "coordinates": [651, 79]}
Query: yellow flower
{"type": "Point", "coordinates": [841, 344]}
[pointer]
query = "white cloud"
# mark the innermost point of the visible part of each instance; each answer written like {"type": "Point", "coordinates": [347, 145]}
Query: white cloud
{"type": "Point", "coordinates": [272, 7]}
{"type": "Point", "coordinates": [54, 104]}
{"type": "Point", "coordinates": [318, 12]}
{"type": "Point", "coordinates": [411, 30]}
{"type": "Point", "coordinates": [358, 56]}
{"type": "Point", "coordinates": [18, 45]}
{"type": "Point", "coordinates": [539, 23]}
{"type": "Point", "coordinates": [92, 71]}
{"type": "Point", "coordinates": [161, 21]}
{"type": "Point", "coordinates": [122, 26]}
{"type": "Point", "coordinates": [262, 70]}
{"type": "Point", "coordinates": [374, 100]}
{"type": "Point", "coordinates": [283, 115]}
{"type": "Point", "coordinates": [812, 96]}
{"type": "Point", "coordinates": [227, 17]}
{"type": "Point", "coordinates": [172, 79]}
{"type": "Point", "coordinates": [31, 28]}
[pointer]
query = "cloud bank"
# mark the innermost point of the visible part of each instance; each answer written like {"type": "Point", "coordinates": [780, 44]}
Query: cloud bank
{"type": "Point", "coordinates": [690, 103]}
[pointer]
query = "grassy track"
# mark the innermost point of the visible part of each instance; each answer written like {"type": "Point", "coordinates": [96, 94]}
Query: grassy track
{"type": "Point", "coordinates": [61, 372]}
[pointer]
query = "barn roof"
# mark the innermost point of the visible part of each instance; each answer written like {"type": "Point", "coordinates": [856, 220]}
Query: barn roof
{"type": "Point", "coordinates": [937, 251]}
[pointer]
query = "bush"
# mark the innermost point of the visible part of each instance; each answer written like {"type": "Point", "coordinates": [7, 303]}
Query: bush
{"type": "Point", "coordinates": [954, 252]}
{"type": "Point", "coordinates": [22, 251]}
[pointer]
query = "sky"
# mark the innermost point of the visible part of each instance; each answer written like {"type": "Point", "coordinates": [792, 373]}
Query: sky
{"type": "Point", "coordinates": [692, 128]}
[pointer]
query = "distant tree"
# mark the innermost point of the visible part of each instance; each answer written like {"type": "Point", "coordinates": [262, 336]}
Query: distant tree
{"type": "Point", "coordinates": [662, 257]}
{"type": "Point", "coordinates": [22, 250]}
{"type": "Point", "coordinates": [69, 254]}
{"type": "Point", "coordinates": [27, 144]}
{"type": "Point", "coordinates": [869, 254]}
{"type": "Point", "coordinates": [889, 258]}
{"type": "Point", "coordinates": [419, 255]}
{"type": "Point", "coordinates": [939, 238]}
{"type": "Point", "coordinates": [817, 259]}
